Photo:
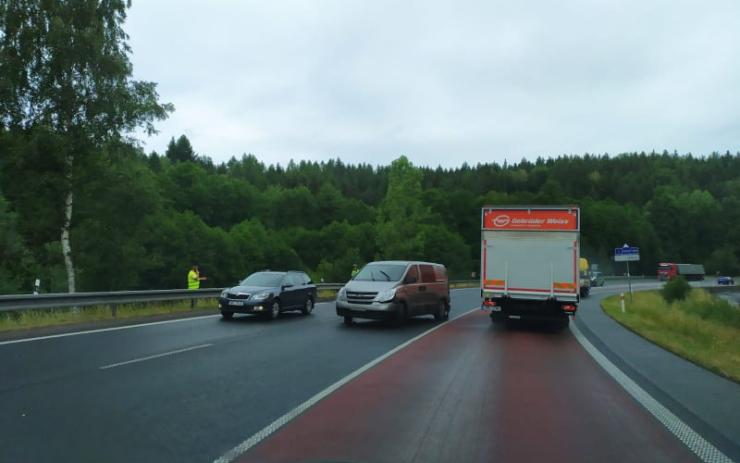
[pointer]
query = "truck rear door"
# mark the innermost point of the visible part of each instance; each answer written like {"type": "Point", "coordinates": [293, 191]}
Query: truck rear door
{"type": "Point", "coordinates": [526, 262]}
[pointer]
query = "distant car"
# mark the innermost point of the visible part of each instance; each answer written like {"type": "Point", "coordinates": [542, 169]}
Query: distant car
{"type": "Point", "coordinates": [597, 279]}
{"type": "Point", "coordinates": [395, 290]}
{"type": "Point", "coordinates": [725, 280]}
{"type": "Point", "coordinates": [269, 294]}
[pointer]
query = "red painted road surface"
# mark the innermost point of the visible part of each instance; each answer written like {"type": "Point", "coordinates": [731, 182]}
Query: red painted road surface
{"type": "Point", "coordinates": [471, 392]}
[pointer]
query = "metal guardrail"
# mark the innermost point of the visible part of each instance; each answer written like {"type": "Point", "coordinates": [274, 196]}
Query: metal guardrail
{"type": "Point", "coordinates": [62, 300]}
{"type": "Point", "coordinates": [18, 302]}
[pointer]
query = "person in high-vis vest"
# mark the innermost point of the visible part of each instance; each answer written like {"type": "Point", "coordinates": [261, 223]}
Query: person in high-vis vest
{"type": "Point", "coordinates": [355, 271]}
{"type": "Point", "coordinates": [194, 280]}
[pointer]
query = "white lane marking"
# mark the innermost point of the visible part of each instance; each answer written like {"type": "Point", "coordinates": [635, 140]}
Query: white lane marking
{"type": "Point", "coordinates": [155, 356]}
{"type": "Point", "coordinates": [697, 444]}
{"type": "Point", "coordinates": [140, 325]}
{"type": "Point", "coordinates": [103, 330]}
{"type": "Point", "coordinates": [292, 414]}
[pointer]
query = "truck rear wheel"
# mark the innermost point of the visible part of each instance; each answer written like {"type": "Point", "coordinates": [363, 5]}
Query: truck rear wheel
{"type": "Point", "coordinates": [497, 318]}
{"type": "Point", "coordinates": [562, 323]}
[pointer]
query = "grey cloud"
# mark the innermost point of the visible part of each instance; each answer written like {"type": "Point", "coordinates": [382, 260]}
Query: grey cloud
{"type": "Point", "coordinates": [443, 82]}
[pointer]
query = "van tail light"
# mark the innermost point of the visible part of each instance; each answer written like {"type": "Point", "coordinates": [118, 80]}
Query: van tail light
{"type": "Point", "coordinates": [569, 308]}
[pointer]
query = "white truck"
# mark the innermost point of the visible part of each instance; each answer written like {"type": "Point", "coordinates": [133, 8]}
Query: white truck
{"type": "Point", "coordinates": [530, 262]}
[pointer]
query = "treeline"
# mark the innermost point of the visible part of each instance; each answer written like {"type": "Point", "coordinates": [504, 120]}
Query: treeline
{"type": "Point", "coordinates": [81, 208]}
{"type": "Point", "coordinates": [142, 220]}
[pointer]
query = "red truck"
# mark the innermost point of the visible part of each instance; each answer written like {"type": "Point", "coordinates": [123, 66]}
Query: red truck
{"type": "Point", "coordinates": [668, 270]}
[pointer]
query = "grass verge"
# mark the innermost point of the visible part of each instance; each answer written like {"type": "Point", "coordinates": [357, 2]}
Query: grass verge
{"type": "Point", "coordinates": [29, 319]}
{"type": "Point", "coordinates": [701, 328]}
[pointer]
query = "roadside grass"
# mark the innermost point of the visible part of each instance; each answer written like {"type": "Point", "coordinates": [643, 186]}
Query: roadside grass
{"type": "Point", "coordinates": [326, 294]}
{"type": "Point", "coordinates": [466, 284]}
{"type": "Point", "coordinates": [28, 319]}
{"type": "Point", "coordinates": [702, 328]}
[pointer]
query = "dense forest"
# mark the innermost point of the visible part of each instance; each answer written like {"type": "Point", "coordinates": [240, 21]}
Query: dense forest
{"type": "Point", "coordinates": [82, 207]}
{"type": "Point", "coordinates": [142, 220]}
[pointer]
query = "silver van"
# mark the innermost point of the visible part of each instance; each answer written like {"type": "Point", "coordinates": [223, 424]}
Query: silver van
{"type": "Point", "coordinates": [396, 290]}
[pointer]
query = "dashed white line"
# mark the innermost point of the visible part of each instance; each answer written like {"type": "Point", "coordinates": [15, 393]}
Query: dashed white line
{"type": "Point", "coordinates": [292, 414]}
{"type": "Point", "coordinates": [150, 357]}
{"type": "Point", "coordinates": [706, 452]}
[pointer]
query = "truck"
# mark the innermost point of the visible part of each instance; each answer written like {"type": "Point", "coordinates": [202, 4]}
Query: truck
{"type": "Point", "coordinates": [668, 270]}
{"type": "Point", "coordinates": [584, 282]}
{"type": "Point", "coordinates": [530, 262]}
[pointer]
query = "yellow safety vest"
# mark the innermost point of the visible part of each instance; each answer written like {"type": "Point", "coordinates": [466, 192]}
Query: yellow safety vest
{"type": "Point", "coordinates": [193, 280]}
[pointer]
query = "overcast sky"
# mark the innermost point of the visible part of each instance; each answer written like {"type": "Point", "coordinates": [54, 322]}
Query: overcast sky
{"type": "Point", "coordinates": [442, 82]}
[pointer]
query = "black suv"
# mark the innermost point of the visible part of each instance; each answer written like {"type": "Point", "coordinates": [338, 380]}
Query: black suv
{"type": "Point", "coordinates": [269, 293]}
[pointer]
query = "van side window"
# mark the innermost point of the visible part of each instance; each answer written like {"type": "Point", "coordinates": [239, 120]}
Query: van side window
{"type": "Point", "coordinates": [413, 273]}
{"type": "Point", "coordinates": [440, 273]}
{"type": "Point", "coordinates": [427, 274]}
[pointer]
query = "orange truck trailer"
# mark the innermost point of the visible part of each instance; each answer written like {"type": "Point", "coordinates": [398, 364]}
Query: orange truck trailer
{"type": "Point", "coordinates": [530, 262]}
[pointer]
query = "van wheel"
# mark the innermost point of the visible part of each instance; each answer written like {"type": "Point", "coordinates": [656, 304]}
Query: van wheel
{"type": "Point", "coordinates": [441, 314]}
{"type": "Point", "coordinates": [347, 320]}
{"type": "Point", "coordinates": [402, 315]}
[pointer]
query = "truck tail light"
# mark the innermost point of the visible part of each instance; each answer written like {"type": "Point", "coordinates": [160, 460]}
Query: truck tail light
{"type": "Point", "coordinates": [569, 308]}
{"type": "Point", "coordinates": [488, 302]}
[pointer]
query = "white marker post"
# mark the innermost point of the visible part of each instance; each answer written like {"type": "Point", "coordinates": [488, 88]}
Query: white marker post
{"type": "Point", "coordinates": [621, 301]}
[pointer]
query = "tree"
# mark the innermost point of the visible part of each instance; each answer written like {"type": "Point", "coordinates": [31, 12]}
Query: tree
{"type": "Point", "coordinates": [180, 150]}
{"type": "Point", "coordinates": [64, 67]}
{"type": "Point", "coordinates": [402, 213]}
{"type": "Point", "coordinates": [15, 259]}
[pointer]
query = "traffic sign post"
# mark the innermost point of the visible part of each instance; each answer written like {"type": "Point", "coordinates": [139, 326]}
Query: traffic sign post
{"type": "Point", "coordinates": [627, 254]}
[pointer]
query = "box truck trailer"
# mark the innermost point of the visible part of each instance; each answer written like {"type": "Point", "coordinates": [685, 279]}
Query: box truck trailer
{"type": "Point", "coordinates": [530, 262]}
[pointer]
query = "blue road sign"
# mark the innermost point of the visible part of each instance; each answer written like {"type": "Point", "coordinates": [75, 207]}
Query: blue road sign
{"type": "Point", "coordinates": [626, 254]}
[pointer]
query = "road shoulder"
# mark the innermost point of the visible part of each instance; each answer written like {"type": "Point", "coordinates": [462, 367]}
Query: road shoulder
{"type": "Point", "coordinates": [707, 402]}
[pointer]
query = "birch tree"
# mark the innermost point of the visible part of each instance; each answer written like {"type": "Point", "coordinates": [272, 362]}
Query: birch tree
{"type": "Point", "coordinates": [65, 68]}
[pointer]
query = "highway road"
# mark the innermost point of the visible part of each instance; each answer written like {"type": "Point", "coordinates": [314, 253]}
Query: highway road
{"type": "Point", "coordinates": [192, 390]}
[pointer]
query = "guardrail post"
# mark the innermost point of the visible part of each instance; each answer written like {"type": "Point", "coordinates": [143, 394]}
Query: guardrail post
{"type": "Point", "coordinates": [114, 310]}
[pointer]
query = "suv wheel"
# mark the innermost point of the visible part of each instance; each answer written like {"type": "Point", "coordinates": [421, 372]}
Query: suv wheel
{"type": "Point", "coordinates": [441, 313]}
{"type": "Point", "coordinates": [307, 307]}
{"type": "Point", "coordinates": [347, 320]}
{"type": "Point", "coordinates": [274, 310]}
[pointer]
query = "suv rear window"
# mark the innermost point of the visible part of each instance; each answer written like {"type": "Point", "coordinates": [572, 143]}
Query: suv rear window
{"type": "Point", "coordinates": [427, 274]}
{"type": "Point", "coordinates": [440, 273]}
